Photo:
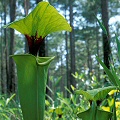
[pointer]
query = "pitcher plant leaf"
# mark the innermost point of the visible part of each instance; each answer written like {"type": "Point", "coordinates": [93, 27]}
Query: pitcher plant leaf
{"type": "Point", "coordinates": [43, 20]}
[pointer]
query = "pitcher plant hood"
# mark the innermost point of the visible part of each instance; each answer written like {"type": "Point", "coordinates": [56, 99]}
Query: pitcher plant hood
{"type": "Point", "coordinates": [43, 20]}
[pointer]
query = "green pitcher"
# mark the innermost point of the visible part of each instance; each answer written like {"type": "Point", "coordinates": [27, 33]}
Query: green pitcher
{"type": "Point", "coordinates": [32, 77]}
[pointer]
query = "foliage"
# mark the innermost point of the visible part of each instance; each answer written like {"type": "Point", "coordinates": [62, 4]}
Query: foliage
{"type": "Point", "coordinates": [113, 77]}
{"type": "Point", "coordinates": [86, 45]}
{"type": "Point", "coordinates": [96, 94]}
{"type": "Point", "coordinates": [66, 108]}
{"type": "Point", "coordinates": [9, 108]}
{"type": "Point", "coordinates": [94, 113]}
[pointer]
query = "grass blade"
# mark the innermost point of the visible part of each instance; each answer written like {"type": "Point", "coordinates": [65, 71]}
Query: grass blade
{"type": "Point", "coordinates": [102, 26]}
{"type": "Point", "coordinates": [108, 72]}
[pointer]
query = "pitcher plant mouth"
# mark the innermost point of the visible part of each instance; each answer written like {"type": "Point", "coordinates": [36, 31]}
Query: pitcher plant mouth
{"type": "Point", "coordinates": [44, 60]}
{"type": "Point", "coordinates": [34, 43]}
{"type": "Point", "coordinates": [39, 60]}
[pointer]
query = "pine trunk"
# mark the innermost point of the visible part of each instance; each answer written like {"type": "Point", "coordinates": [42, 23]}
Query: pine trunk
{"type": "Point", "coordinates": [89, 59]}
{"type": "Point", "coordinates": [67, 56]}
{"type": "Point", "coordinates": [72, 47]}
{"type": "Point", "coordinates": [37, 1]}
{"type": "Point", "coordinates": [3, 84]}
{"type": "Point", "coordinates": [26, 8]}
{"type": "Point", "coordinates": [106, 41]}
{"type": "Point", "coordinates": [6, 46]}
{"type": "Point", "coordinates": [11, 83]}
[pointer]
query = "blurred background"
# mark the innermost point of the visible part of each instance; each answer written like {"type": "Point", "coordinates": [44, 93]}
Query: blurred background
{"type": "Point", "coordinates": [75, 63]}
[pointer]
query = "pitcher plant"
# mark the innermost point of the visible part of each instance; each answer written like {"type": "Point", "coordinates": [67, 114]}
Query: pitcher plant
{"type": "Point", "coordinates": [31, 69]}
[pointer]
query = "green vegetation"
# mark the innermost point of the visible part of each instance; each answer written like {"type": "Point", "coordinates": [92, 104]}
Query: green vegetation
{"type": "Point", "coordinates": [31, 69]}
{"type": "Point", "coordinates": [10, 108]}
{"type": "Point", "coordinates": [89, 98]}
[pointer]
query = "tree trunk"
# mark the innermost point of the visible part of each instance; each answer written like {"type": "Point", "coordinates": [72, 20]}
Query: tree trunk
{"type": "Point", "coordinates": [11, 82]}
{"type": "Point", "coordinates": [106, 41]}
{"type": "Point", "coordinates": [3, 84]}
{"type": "Point", "coordinates": [37, 1]}
{"type": "Point", "coordinates": [26, 8]}
{"type": "Point", "coordinates": [89, 59]}
{"type": "Point", "coordinates": [67, 64]}
{"type": "Point", "coordinates": [97, 43]}
{"type": "Point", "coordinates": [72, 46]}
{"type": "Point", "coordinates": [6, 46]}
{"type": "Point", "coordinates": [67, 82]}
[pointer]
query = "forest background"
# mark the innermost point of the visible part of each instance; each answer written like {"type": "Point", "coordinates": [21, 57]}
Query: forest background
{"type": "Point", "coordinates": [75, 63]}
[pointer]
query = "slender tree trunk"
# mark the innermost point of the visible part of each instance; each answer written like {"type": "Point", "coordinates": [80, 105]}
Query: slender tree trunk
{"type": "Point", "coordinates": [3, 84]}
{"type": "Point", "coordinates": [6, 44]}
{"type": "Point", "coordinates": [26, 8]}
{"type": "Point", "coordinates": [62, 81]}
{"type": "Point", "coordinates": [72, 46]}
{"type": "Point", "coordinates": [106, 41]}
{"type": "Point", "coordinates": [11, 82]}
{"type": "Point", "coordinates": [89, 60]}
{"type": "Point", "coordinates": [2, 79]}
{"type": "Point", "coordinates": [67, 64]}
{"type": "Point", "coordinates": [67, 82]}
{"type": "Point", "coordinates": [37, 1]}
{"type": "Point", "coordinates": [97, 43]}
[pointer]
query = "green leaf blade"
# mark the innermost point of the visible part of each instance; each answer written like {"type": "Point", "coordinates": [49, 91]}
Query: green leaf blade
{"type": "Point", "coordinates": [101, 93]}
{"type": "Point", "coordinates": [16, 25]}
{"type": "Point", "coordinates": [96, 94]}
{"type": "Point", "coordinates": [108, 72]}
{"type": "Point", "coordinates": [99, 114]}
{"type": "Point", "coordinates": [115, 76]}
{"type": "Point", "coordinates": [118, 45]}
{"type": "Point", "coordinates": [85, 94]}
{"type": "Point", "coordinates": [102, 26]}
{"type": "Point", "coordinates": [43, 20]}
